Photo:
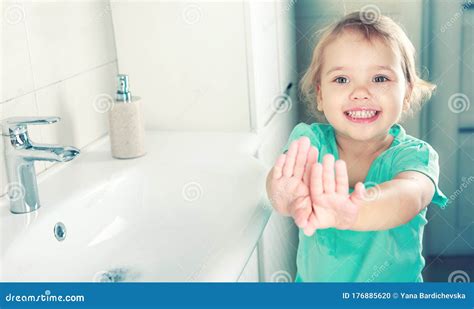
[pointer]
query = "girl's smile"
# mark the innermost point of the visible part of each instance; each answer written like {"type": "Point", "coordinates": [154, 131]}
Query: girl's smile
{"type": "Point", "coordinates": [362, 114]}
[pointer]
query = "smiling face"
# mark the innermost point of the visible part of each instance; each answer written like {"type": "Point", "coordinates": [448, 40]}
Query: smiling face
{"type": "Point", "coordinates": [362, 86]}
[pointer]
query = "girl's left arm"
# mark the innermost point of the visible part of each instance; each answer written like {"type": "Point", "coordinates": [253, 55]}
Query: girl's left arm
{"type": "Point", "coordinates": [394, 202]}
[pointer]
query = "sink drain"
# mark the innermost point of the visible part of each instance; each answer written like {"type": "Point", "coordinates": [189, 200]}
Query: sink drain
{"type": "Point", "coordinates": [118, 274]}
{"type": "Point", "coordinates": [60, 231]}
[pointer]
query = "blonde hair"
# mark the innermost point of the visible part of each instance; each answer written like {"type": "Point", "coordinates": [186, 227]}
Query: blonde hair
{"type": "Point", "coordinates": [381, 27]}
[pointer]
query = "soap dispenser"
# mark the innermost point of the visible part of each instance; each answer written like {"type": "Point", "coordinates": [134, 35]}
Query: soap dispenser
{"type": "Point", "coordinates": [126, 123]}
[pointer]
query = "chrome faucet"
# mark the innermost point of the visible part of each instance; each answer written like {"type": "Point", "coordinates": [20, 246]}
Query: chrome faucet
{"type": "Point", "coordinates": [20, 154]}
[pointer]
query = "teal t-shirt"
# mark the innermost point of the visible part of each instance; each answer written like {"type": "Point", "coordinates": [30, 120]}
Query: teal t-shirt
{"type": "Point", "coordinates": [393, 255]}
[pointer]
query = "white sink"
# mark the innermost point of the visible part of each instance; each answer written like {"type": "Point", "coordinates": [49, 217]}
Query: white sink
{"type": "Point", "coordinates": [192, 209]}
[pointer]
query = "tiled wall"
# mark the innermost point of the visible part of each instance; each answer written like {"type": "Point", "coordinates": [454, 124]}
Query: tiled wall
{"type": "Point", "coordinates": [57, 59]}
{"type": "Point", "coordinates": [187, 60]}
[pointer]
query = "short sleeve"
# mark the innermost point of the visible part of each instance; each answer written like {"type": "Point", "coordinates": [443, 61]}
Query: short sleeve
{"type": "Point", "coordinates": [313, 132]}
{"type": "Point", "coordinates": [422, 158]}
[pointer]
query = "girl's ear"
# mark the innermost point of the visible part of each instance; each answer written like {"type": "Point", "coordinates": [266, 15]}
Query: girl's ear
{"type": "Point", "coordinates": [407, 99]}
{"type": "Point", "coordinates": [319, 101]}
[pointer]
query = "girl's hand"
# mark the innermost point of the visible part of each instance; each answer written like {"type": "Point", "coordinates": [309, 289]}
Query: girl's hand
{"type": "Point", "coordinates": [333, 206]}
{"type": "Point", "coordinates": [289, 186]}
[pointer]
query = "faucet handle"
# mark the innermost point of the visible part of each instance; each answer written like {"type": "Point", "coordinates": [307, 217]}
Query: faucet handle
{"type": "Point", "coordinates": [16, 125]}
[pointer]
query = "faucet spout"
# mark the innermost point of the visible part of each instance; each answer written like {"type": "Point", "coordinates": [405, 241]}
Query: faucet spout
{"type": "Point", "coordinates": [53, 153]}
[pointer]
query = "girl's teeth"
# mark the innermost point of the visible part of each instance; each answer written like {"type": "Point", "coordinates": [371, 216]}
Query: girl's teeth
{"type": "Point", "coordinates": [361, 114]}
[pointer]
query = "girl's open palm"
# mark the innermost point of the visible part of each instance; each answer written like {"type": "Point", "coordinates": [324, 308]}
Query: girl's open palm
{"type": "Point", "coordinates": [333, 206]}
{"type": "Point", "coordinates": [290, 181]}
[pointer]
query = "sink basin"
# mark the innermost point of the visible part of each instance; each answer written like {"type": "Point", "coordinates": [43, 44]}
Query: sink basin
{"type": "Point", "coordinates": [192, 209]}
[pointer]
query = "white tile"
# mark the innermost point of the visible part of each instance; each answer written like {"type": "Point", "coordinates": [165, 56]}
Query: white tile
{"type": "Point", "coordinates": [24, 106]}
{"type": "Point", "coordinates": [78, 102]}
{"type": "Point", "coordinates": [68, 37]}
{"type": "Point", "coordinates": [187, 61]}
{"type": "Point", "coordinates": [16, 75]}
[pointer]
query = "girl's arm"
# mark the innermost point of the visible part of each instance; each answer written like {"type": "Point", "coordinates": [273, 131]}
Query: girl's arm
{"type": "Point", "coordinates": [394, 202]}
{"type": "Point", "coordinates": [384, 206]}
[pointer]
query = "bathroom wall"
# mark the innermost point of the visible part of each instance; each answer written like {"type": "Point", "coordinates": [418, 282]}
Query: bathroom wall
{"type": "Point", "coordinates": [450, 231]}
{"type": "Point", "coordinates": [57, 59]}
{"type": "Point", "coordinates": [188, 62]}
{"type": "Point", "coordinates": [61, 60]}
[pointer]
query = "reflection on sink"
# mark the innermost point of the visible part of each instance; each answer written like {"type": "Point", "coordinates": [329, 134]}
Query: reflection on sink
{"type": "Point", "coordinates": [192, 209]}
{"type": "Point", "coordinates": [109, 231]}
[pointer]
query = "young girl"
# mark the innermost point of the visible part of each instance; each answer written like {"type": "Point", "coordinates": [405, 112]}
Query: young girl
{"type": "Point", "coordinates": [362, 79]}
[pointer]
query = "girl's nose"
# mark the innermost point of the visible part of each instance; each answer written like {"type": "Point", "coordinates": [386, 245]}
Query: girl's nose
{"type": "Point", "coordinates": [360, 93]}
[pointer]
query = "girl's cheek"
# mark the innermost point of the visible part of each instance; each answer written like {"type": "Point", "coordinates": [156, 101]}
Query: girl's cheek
{"type": "Point", "coordinates": [384, 89]}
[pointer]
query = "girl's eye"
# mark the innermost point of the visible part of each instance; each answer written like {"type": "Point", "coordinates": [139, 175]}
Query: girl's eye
{"type": "Point", "coordinates": [341, 80]}
{"type": "Point", "coordinates": [380, 79]}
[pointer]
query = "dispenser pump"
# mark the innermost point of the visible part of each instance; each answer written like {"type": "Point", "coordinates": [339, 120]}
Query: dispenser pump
{"type": "Point", "coordinates": [123, 93]}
